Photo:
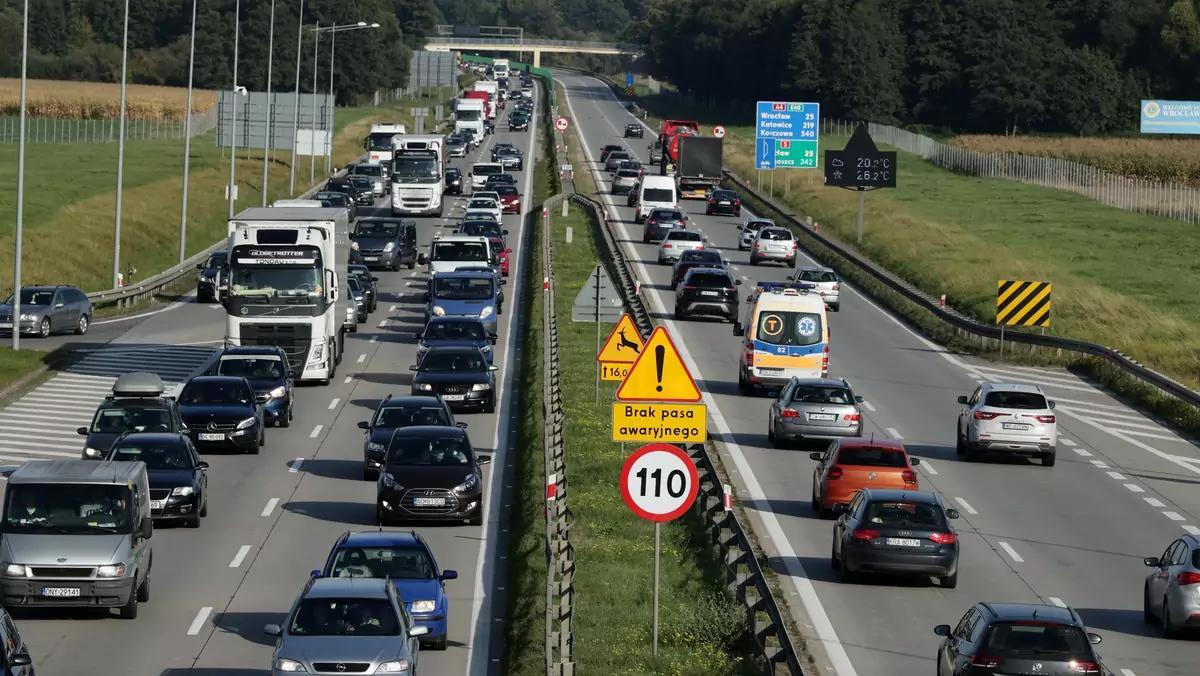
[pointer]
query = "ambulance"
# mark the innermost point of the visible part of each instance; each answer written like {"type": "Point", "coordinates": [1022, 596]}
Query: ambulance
{"type": "Point", "coordinates": [785, 335]}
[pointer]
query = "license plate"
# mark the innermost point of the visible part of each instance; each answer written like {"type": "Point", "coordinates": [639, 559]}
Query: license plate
{"type": "Point", "coordinates": [212, 436]}
{"type": "Point", "coordinates": [429, 502]}
{"type": "Point", "coordinates": [158, 504]}
{"type": "Point", "coordinates": [903, 542]}
{"type": "Point", "coordinates": [60, 591]}
{"type": "Point", "coordinates": [770, 372]}
{"type": "Point", "coordinates": [371, 259]}
{"type": "Point", "coordinates": [5, 325]}
{"type": "Point", "coordinates": [1016, 426]}
{"type": "Point", "coordinates": [778, 248]}
{"type": "Point", "coordinates": [725, 203]}
{"type": "Point", "coordinates": [821, 416]}
{"type": "Point", "coordinates": [454, 397]}
{"type": "Point", "coordinates": [709, 293]}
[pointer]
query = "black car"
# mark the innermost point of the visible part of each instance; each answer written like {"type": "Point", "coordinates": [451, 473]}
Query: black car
{"type": "Point", "coordinates": [137, 404]}
{"type": "Point", "coordinates": [724, 203]}
{"type": "Point", "coordinates": [498, 148]}
{"type": "Point", "coordinates": [431, 474]}
{"type": "Point", "coordinates": [454, 181]}
{"type": "Point", "coordinates": [459, 375]}
{"type": "Point", "coordinates": [213, 277]}
{"type": "Point", "coordinates": [695, 258]}
{"type": "Point", "coordinates": [369, 283]}
{"type": "Point", "coordinates": [609, 149]}
{"type": "Point", "coordinates": [352, 190]}
{"type": "Point", "coordinates": [518, 122]}
{"type": "Point", "coordinates": [896, 532]}
{"type": "Point", "coordinates": [457, 331]}
{"type": "Point", "coordinates": [338, 199]}
{"type": "Point", "coordinates": [481, 229]}
{"type": "Point", "coordinates": [634, 130]}
{"type": "Point", "coordinates": [708, 292]}
{"type": "Point", "coordinates": [509, 158]}
{"type": "Point", "coordinates": [385, 243]}
{"type": "Point", "coordinates": [178, 477]}
{"type": "Point", "coordinates": [270, 375]}
{"type": "Point", "coordinates": [659, 221]}
{"type": "Point", "coordinates": [366, 191]}
{"type": "Point", "coordinates": [355, 289]}
{"type": "Point", "coordinates": [223, 411]}
{"type": "Point", "coordinates": [1018, 638]}
{"type": "Point", "coordinates": [392, 414]}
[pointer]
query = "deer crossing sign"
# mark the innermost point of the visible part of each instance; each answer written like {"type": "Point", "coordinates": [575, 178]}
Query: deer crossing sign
{"type": "Point", "coordinates": [621, 349]}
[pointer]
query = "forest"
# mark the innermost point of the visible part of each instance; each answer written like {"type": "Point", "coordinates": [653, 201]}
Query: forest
{"type": "Point", "coordinates": [989, 66]}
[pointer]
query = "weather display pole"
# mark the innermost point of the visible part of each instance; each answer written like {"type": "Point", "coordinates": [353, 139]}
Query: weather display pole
{"type": "Point", "coordinates": [860, 166]}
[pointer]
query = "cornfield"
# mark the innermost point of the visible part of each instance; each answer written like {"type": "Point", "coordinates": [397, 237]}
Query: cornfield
{"type": "Point", "coordinates": [100, 100]}
{"type": "Point", "coordinates": [1166, 160]}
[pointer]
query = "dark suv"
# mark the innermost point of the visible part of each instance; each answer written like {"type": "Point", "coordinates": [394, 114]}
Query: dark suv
{"type": "Point", "coordinates": [659, 221]}
{"type": "Point", "coordinates": [1018, 638]}
{"type": "Point", "coordinates": [385, 243]}
{"type": "Point", "coordinates": [708, 292]}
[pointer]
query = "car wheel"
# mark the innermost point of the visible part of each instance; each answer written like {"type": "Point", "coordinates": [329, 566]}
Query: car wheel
{"type": "Point", "coordinates": [412, 265]}
{"type": "Point", "coordinates": [1168, 630]}
{"type": "Point", "coordinates": [286, 420]}
{"type": "Point", "coordinates": [439, 644]}
{"type": "Point", "coordinates": [1147, 612]}
{"type": "Point", "coordinates": [370, 474]}
{"type": "Point", "coordinates": [354, 329]}
{"type": "Point", "coordinates": [771, 430]}
{"type": "Point", "coordinates": [845, 575]}
{"type": "Point", "coordinates": [203, 505]}
{"type": "Point", "coordinates": [143, 591]}
{"type": "Point", "coordinates": [129, 611]}
{"type": "Point", "coordinates": [836, 307]}
{"type": "Point", "coordinates": [1048, 459]}
{"type": "Point", "coordinates": [960, 444]}
{"type": "Point", "coordinates": [834, 562]}
{"type": "Point", "coordinates": [753, 260]}
{"type": "Point", "coordinates": [193, 521]}
{"type": "Point", "coordinates": [84, 322]}
{"type": "Point", "coordinates": [44, 328]}
{"type": "Point", "coordinates": [971, 452]}
{"type": "Point", "coordinates": [743, 385]}
{"type": "Point", "coordinates": [253, 450]}
{"type": "Point", "coordinates": [380, 518]}
{"type": "Point", "coordinates": [490, 408]}
{"type": "Point", "coordinates": [476, 520]}
{"type": "Point", "coordinates": [262, 437]}
{"type": "Point", "coordinates": [816, 503]}
{"type": "Point", "coordinates": [677, 315]}
{"type": "Point", "coordinates": [949, 582]}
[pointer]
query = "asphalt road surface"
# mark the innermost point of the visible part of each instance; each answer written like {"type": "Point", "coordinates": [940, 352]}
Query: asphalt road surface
{"type": "Point", "coordinates": [273, 517]}
{"type": "Point", "coordinates": [1074, 534]}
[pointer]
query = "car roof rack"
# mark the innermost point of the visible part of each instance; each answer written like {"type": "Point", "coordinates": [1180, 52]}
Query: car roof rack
{"type": "Point", "coordinates": [139, 384]}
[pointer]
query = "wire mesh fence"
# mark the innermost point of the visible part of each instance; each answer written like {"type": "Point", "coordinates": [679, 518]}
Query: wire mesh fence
{"type": "Point", "coordinates": [104, 130]}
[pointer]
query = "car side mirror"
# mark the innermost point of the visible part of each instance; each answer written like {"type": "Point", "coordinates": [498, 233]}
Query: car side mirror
{"type": "Point", "coordinates": [737, 282]}
{"type": "Point", "coordinates": [427, 297]}
{"type": "Point", "coordinates": [449, 575]}
{"type": "Point", "coordinates": [816, 456]}
{"type": "Point", "coordinates": [1151, 561]}
{"type": "Point", "coordinates": [952, 513]}
{"type": "Point", "coordinates": [859, 400]}
{"type": "Point", "coordinates": [418, 631]}
{"type": "Point", "coordinates": [461, 425]}
{"type": "Point", "coordinates": [504, 232]}
{"type": "Point", "coordinates": [914, 461]}
{"type": "Point", "coordinates": [493, 337]}
{"type": "Point", "coordinates": [737, 329]}
{"type": "Point", "coordinates": [273, 630]}
{"type": "Point", "coordinates": [493, 367]}
{"type": "Point", "coordinates": [469, 174]}
{"type": "Point", "coordinates": [962, 400]}
{"type": "Point", "coordinates": [374, 279]}
{"type": "Point", "coordinates": [20, 660]}
{"type": "Point", "coordinates": [200, 266]}
{"type": "Point", "coordinates": [942, 630]}
{"type": "Point", "coordinates": [146, 527]}
{"type": "Point", "coordinates": [315, 573]}
{"type": "Point", "coordinates": [1052, 405]}
{"type": "Point", "coordinates": [412, 368]}
{"type": "Point", "coordinates": [504, 282]}
{"type": "Point", "coordinates": [203, 464]}
{"type": "Point", "coordinates": [483, 460]}
{"type": "Point", "coordinates": [1094, 639]}
{"type": "Point", "coordinates": [82, 431]}
{"type": "Point", "coordinates": [839, 509]}
{"type": "Point", "coordinates": [364, 425]}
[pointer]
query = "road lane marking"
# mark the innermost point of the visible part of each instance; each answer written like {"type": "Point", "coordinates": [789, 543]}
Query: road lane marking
{"type": "Point", "coordinates": [928, 468]}
{"type": "Point", "coordinates": [893, 433]}
{"type": "Point", "coordinates": [198, 623]}
{"type": "Point", "coordinates": [270, 506]}
{"type": "Point", "coordinates": [1011, 552]}
{"type": "Point", "coordinates": [316, 432]}
{"type": "Point", "coordinates": [1056, 601]}
{"type": "Point", "coordinates": [1191, 529]}
{"type": "Point", "coordinates": [1135, 488]}
{"type": "Point", "coordinates": [393, 308]}
{"type": "Point", "coordinates": [1066, 442]}
{"type": "Point", "coordinates": [383, 323]}
{"type": "Point", "coordinates": [333, 404]}
{"type": "Point", "coordinates": [1154, 502]}
{"type": "Point", "coordinates": [1082, 452]}
{"type": "Point", "coordinates": [868, 406]}
{"type": "Point", "coordinates": [1127, 672]}
{"type": "Point", "coordinates": [374, 339]}
{"type": "Point", "coordinates": [1174, 516]}
{"type": "Point", "coordinates": [1116, 475]}
{"type": "Point", "coordinates": [240, 557]}
{"type": "Point", "coordinates": [362, 357]}
{"type": "Point", "coordinates": [296, 465]}
{"type": "Point", "coordinates": [1100, 463]}
{"type": "Point", "coordinates": [966, 506]}
{"type": "Point", "coordinates": [348, 379]}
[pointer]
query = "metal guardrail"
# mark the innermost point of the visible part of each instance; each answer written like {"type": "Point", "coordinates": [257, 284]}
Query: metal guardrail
{"type": "Point", "coordinates": [531, 43]}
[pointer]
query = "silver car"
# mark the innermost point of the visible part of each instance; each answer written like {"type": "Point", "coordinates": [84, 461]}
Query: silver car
{"type": "Point", "coordinates": [749, 230]}
{"type": "Point", "coordinates": [49, 309]}
{"type": "Point", "coordinates": [624, 181]}
{"type": "Point", "coordinates": [814, 408]}
{"type": "Point", "coordinates": [347, 625]}
{"type": "Point", "coordinates": [1015, 419]}
{"type": "Point", "coordinates": [456, 147]}
{"type": "Point", "coordinates": [774, 244]}
{"type": "Point", "coordinates": [675, 242]}
{"type": "Point", "coordinates": [1171, 594]}
{"type": "Point", "coordinates": [826, 282]}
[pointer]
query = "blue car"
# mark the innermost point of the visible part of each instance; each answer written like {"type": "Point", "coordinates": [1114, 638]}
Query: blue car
{"type": "Point", "coordinates": [404, 557]}
{"type": "Point", "coordinates": [465, 294]}
{"type": "Point", "coordinates": [459, 332]}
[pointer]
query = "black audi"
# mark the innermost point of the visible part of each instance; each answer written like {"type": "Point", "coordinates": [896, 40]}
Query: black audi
{"type": "Point", "coordinates": [223, 412]}
{"type": "Point", "coordinates": [392, 414]}
{"type": "Point", "coordinates": [461, 376]}
{"type": "Point", "coordinates": [454, 181]}
{"type": "Point", "coordinates": [431, 474]}
{"type": "Point", "coordinates": [178, 477]}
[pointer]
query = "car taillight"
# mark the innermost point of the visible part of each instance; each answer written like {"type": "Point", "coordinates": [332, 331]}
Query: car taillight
{"type": "Point", "coordinates": [737, 203]}
{"type": "Point", "coordinates": [652, 222]}
{"type": "Point", "coordinates": [985, 661]}
{"type": "Point", "coordinates": [795, 245]}
{"type": "Point", "coordinates": [712, 201]}
{"type": "Point", "coordinates": [700, 248]}
{"type": "Point", "coordinates": [1044, 418]}
{"type": "Point", "coordinates": [689, 288]}
{"type": "Point", "coordinates": [853, 417]}
{"type": "Point", "coordinates": [984, 415]}
{"type": "Point", "coordinates": [1081, 667]}
{"type": "Point", "coordinates": [825, 359]}
{"type": "Point", "coordinates": [943, 538]}
{"type": "Point", "coordinates": [864, 534]}
{"type": "Point", "coordinates": [756, 245]}
{"type": "Point", "coordinates": [1187, 577]}
{"type": "Point", "coordinates": [835, 473]}
{"type": "Point", "coordinates": [909, 476]}
{"type": "Point", "coordinates": [789, 413]}
{"type": "Point", "coordinates": [666, 246]}
{"type": "Point", "coordinates": [836, 287]}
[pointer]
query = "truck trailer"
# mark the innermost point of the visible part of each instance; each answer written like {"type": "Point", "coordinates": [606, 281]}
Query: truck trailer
{"type": "Point", "coordinates": [418, 175]}
{"type": "Point", "coordinates": [698, 161]}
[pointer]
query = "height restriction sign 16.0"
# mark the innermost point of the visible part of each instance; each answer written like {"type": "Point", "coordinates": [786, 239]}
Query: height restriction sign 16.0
{"type": "Point", "coordinates": [659, 482]}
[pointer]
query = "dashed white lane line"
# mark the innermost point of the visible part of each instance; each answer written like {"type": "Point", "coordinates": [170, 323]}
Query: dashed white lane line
{"type": "Point", "coordinates": [1012, 553]}
{"type": "Point", "coordinates": [1083, 453]}
{"type": "Point", "coordinates": [867, 405]}
{"type": "Point", "coordinates": [1191, 529]}
{"type": "Point", "coordinates": [1066, 442]}
{"type": "Point", "coordinates": [270, 506]}
{"type": "Point", "coordinates": [966, 506]}
{"type": "Point", "coordinates": [362, 358]}
{"type": "Point", "coordinates": [374, 339]}
{"type": "Point", "coordinates": [928, 468]}
{"type": "Point", "coordinates": [296, 465]}
{"type": "Point", "coordinates": [383, 323]}
{"type": "Point", "coordinates": [348, 379]}
{"type": "Point", "coordinates": [1174, 516]}
{"type": "Point", "coordinates": [198, 623]}
{"type": "Point", "coordinates": [893, 433]}
{"type": "Point", "coordinates": [1116, 475]}
{"type": "Point", "coordinates": [240, 557]}
{"type": "Point", "coordinates": [393, 308]}
{"type": "Point", "coordinates": [1056, 601]}
{"type": "Point", "coordinates": [316, 432]}
{"type": "Point", "coordinates": [333, 404]}
{"type": "Point", "coordinates": [1127, 672]}
{"type": "Point", "coordinates": [1154, 502]}
{"type": "Point", "coordinates": [1135, 488]}
{"type": "Point", "coordinates": [1100, 463]}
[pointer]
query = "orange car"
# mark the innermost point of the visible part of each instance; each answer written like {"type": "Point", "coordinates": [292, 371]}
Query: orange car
{"type": "Point", "coordinates": [853, 463]}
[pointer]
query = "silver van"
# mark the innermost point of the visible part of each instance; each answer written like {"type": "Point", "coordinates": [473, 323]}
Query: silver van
{"type": "Point", "coordinates": [76, 533]}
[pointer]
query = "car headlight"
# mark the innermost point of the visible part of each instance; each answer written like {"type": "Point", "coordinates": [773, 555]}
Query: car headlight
{"type": "Point", "coordinates": [354, 245]}
{"type": "Point", "coordinates": [208, 280]}
{"type": "Point", "coordinates": [481, 387]}
{"type": "Point", "coordinates": [284, 664]}
{"type": "Point", "coordinates": [422, 607]}
{"type": "Point", "coordinates": [372, 446]}
{"type": "Point", "coordinates": [14, 570]}
{"type": "Point", "coordinates": [247, 423]}
{"type": "Point", "coordinates": [318, 354]}
{"type": "Point", "coordinates": [392, 667]}
{"type": "Point", "coordinates": [93, 452]}
{"type": "Point", "coordinates": [390, 482]}
{"type": "Point", "coordinates": [277, 393]}
{"type": "Point", "coordinates": [391, 246]}
{"type": "Point", "coordinates": [439, 311]}
{"type": "Point", "coordinates": [485, 349]}
{"type": "Point", "coordinates": [424, 387]}
{"type": "Point", "coordinates": [116, 570]}
{"type": "Point", "coordinates": [358, 299]}
{"type": "Point", "coordinates": [486, 312]}
{"type": "Point", "coordinates": [183, 490]}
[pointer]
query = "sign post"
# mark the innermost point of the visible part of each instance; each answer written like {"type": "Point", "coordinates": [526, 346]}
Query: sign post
{"type": "Point", "coordinates": [659, 482]}
{"type": "Point", "coordinates": [860, 166]}
{"type": "Point", "coordinates": [786, 135]}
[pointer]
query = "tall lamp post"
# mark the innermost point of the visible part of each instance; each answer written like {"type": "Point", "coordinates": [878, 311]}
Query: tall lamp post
{"type": "Point", "coordinates": [187, 141]}
{"type": "Point", "coordinates": [267, 142]}
{"type": "Point", "coordinates": [116, 276]}
{"type": "Point", "coordinates": [332, 44]}
{"type": "Point", "coordinates": [237, 25]}
{"type": "Point", "coordinates": [16, 304]}
{"type": "Point", "coordinates": [296, 111]}
{"type": "Point", "coordinates": [312, 171]}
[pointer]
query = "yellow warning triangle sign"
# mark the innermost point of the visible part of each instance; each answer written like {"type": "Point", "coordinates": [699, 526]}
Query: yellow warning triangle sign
{"type": "Point", "coordinates": [624, 344]}
{"type": "Point", "coordinates": [659, 374]}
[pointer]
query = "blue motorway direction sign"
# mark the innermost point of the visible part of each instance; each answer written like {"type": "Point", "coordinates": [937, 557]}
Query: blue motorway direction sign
{"type": "Point", "coordinates": [628, 79]}
{"type": "Point", "coordinates": [1171, 117]}
{"type": "Point", "coordinates": [786, 135]}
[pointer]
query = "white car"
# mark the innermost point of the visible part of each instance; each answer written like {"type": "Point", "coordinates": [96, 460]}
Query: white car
{"type": "Point", "coordinates": [1013, 419]}
{"type": "Point", "coordinates": [749, 230]}
{"type": "Point", "coordinates": [492, 206]}
{"type": "Point", "coordinates": [676, 241]}
{"type": "Point", "coordinates": [480, 215]}
{"type": "Point", "coordinates": [486, 195]}
{"type": "Point", "coordinates": [827, 283]}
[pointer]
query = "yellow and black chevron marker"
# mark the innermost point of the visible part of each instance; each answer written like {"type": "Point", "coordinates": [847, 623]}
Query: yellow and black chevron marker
{"type": "Point", "coordinates": [1023, 303]}
{"type": "Point", "coordinates": [629, 91]}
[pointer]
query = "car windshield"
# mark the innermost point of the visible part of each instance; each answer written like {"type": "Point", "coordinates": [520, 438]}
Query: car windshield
{"type": "Point", "coordinates": [455, 330]}
{"type": "Point", "coordinates": [513, 152]}
{"type": "Point", "coordinates": [68, 509]}
{"type": "Point", "coordinates": [456, 361]}
{"type": "Point", "coordinates": [481, 204]}
{"type": "Point", "coordinates": [617, 155]}
{"type": "Point", "coordinates": [1024, 401]}
{"type": "Point", "coordinates": [397, 563]}
{"type": "Point", "coordinates": [214, 393]}
{"type": "Point", "coordinates": [217, 260]}
{"type": "Point", "coordinates": [251, 368]}
{"type": "Point", "coordinates": [459, 251]}
{"type": "Point", "coordinates": [775, 234]}
{"type": "Point", "coordinates": [700, 256]}
{"type": "Point", "coordinates": [454, 141]}
{"type": "Point", "coordinates": [724, 195]}
{"type": "Point", "coordinates": [824, 276]}
{"type": "Point", "coordinates": [345, 617]}
{"type": "Point", "coordinates": [658, 195]}
{"type": "Point", "coordinates": [1017, 639]}
{"type": "Point", "coordinates": [873, 457]}
{"type": "Point", "coordinates": [755, 225]}
{"type": "Point", "coordinates": [117, 420]}
{"type": "Point", "coordinates": [409, 416]}
{"type": "Point", "coordinates": [453, 174]}
{"type": "Point", "coordinates": [611, 149]}
{"type": "Point", "coordinates": [481, 229]}
{"type": "Point", "coordinates": [666, 215]}
{"type": "Point", "coordinates": [332, 197]}
{"type": "Point", "coordinates": [361, 182]}
{"type": "Point", "coordinates": [486, 169]}
{"type": "Point", "coordinates": [381, 141]}
{"type": "Point", "coordinates": [923, 515]}
{"type": "Point", "coordinates": [297, 283]}
{"type": "Point", "coordinates": [158, 456]}
{"type": "Point", "coordinates": [422, 450]}
{"type": "Point", "coordinates": [800, 329]}
{"type": "Point", "coordinates": [377, 229]}
{"type": "Point", "coordinates": [355, 284]}
{"type": "Point", "coordinates": [821, 394]}
{"type": "Point", "coordinates": [627, 173]}
{"type": "Point", "coordinates": [463, 288]}
{"type": "Point", "coordinates": [507, 190]}
{"type": "Point", "coordinates": [685, 236]}
{"type": "Point", "coordinates": [368, 170]}
{"type": "Point", "coordinates": [710, 281]}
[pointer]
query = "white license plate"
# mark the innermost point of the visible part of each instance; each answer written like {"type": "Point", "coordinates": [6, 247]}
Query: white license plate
{"type": "Point", "coordinates": [454, 397]}
{"type": "Point", "coordinates": [5, 325]}
{"type": "Point", "coordinates": [429, 502]}
{"type": "Point", "coordinates": [158, 504]}
{"type": "Point", "coordinates": [770, 372]}
{"type": "Point", "coordinates": [371, 259]}
{"type": "Point", "coordinates": [821, 416]}
{"type": "Point", "coordinates": [709, 293]}
{"type": "Point", "coordinates": [725, 203]}
{"type": "Point", "coordinates": [60, 591]}
{"type": "Point", "coordinates": [903, 542]}
{"type": "Point", "coordinates": [1016, 426]}
{"type": "Point", "coordinates": [212, 436]}
{"type": "Point", "coordinates": [779, 248]}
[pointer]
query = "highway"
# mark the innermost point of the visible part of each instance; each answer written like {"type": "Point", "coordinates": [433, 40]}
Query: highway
{"type": "Point", "coordinates": [1124, 487]}
{"type": "Point", "coordinates": [273, 517]}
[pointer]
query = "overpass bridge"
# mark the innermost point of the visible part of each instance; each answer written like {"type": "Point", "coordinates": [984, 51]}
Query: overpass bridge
{"type": "Point", "coordinates": [522, 45]}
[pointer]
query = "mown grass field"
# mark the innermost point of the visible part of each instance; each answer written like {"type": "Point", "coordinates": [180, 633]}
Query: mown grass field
{"type": "Point", "coordinates": [1125, 280]}
{"type": "Point", "coordinates": [100, 100]}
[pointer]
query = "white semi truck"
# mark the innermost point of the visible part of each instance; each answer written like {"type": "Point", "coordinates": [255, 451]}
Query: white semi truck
{"type": "Point", "coordinates": [418, 175]}
{"type": "Point", "coordinates": [287, 285]}
{"type": "Point", "coordinates": [500, 68]}
{"type": "Point", "coordinates": [378, 143]}
{"type": "Point", "coordinates": [469, 114]}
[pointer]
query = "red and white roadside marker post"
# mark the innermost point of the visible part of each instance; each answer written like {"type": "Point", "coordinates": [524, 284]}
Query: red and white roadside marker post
{"type": "Point", "coordinates": [551, 487]}
{"type": "Point", "coordinates": [659, 482]}
{"type": "Point", "coordinates": [727, 497]}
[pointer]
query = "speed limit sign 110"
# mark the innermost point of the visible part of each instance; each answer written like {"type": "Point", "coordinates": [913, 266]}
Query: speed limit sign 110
{"type": "Point", "coordinates": [659, 482]}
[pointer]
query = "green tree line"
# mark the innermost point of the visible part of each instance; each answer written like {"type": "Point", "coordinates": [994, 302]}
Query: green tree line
{"type": "Point", "coordinates": [992, 66]}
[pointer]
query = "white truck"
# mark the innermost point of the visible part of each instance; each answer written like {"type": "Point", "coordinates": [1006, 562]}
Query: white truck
{"type": "Point", "coordinates": [500, 68]}
{"type": "Point", "coordinates": [418, 178]}
{"type": "Point", "coordinates": [492, 88]}
{"type": "Point", "coordinates": [287, 285]}
{"type": "Point", "coordinates": [448, 253]}
{"type": "Point", "coordinates": [378, 142]}
{"type": "Point", "coordinates": [468, 114]}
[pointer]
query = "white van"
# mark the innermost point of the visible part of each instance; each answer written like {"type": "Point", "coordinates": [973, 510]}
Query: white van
{"type": "Point", "coordinates": [481, 172]}
{"type": "Point", "coordinates": [657, 192]}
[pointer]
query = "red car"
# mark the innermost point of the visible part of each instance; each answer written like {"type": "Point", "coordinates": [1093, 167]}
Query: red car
{"type": "Point", "coordinates": [510, 199]}
{"type": "Point", "coordinates": [502, 253]}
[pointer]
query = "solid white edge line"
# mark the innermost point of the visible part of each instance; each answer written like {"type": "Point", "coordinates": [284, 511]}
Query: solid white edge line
{"type": "Point", "coordinates": [1012, 553]}
{"type": "Point", "coordinates": [966, 506]}
{"type": "Point", "coordinates": [271, 504]}
{"type": "Point", "coordinates": [240, 556]}
{"type": "Point", "coordinates": [198, 623]}
{"type": "Point", "coordinates": [811, 603]}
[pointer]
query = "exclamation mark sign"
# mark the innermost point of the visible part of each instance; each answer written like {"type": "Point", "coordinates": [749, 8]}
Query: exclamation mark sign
{"type": "Point", "coordinates": [660, 356]}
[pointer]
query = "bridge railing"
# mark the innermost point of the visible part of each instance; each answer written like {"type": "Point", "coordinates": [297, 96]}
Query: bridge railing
{"type": "Point", "coordinates": [532, 43]}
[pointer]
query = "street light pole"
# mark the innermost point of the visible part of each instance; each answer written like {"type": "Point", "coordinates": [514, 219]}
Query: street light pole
{"type": "Point", "coordinates": [329, 145]}
{"type": "Point", "coordinates": [16, 304]}
{"type": "Point", "coordinates": [267, 143]}
{"type": "Point", "coordinates": [187, 142]}
{"type": "Point", "coordinates": [237, 21]}
{"type": "Point", "coordinates": [312, 157]}
{"type": "Point", "coordinates": [333, 30]}
{"type": "Point", "coordinates": [296, 112]}
{"type": "Point", "coordinates": [116, 276]}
